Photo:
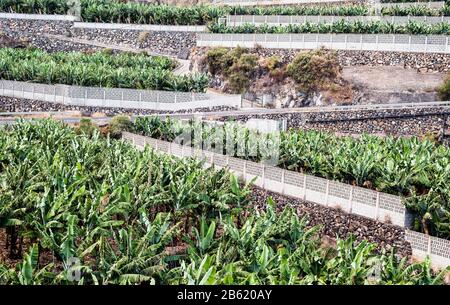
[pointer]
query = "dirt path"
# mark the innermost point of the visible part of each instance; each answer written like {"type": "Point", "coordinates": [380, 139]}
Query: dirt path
{"type": "Point", "coordinates": [393, 78]}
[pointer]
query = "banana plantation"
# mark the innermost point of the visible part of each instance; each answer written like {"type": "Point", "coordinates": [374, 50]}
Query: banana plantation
{"type": "Point", "coordinates": [415, 10]}
{"type": "Point", "coordinates": [141, 13]}
{"type": "Point", "coordinates": [416, 169]}
{"type": "Point", "coordinates": [342, 26]}
{"type": "Point", "coordinates": [101, 69]}
{"type": "Point", "coordinates": [139, 217]}
{"type": "Point", "coordinates": [83, 202]}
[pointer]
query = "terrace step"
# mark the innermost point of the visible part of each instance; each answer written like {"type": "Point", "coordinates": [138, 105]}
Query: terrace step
{"type": "Point", "coordinates": [181, 69]}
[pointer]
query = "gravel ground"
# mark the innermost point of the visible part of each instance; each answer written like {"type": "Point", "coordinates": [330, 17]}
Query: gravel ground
{"type": "Point", "coordinates": [9, 104]}
{"type": "Point", "coordinates": [400, 122]}
{"type": "Point", "coordinates": [338, 223]}
{"type": "Point", "coordinates": [169, 43]}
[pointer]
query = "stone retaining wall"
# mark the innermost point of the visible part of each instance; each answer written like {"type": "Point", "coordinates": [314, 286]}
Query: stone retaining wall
{"type": "Point", "coordinates": [420, 61]}
{"type": "Point", "coordinates": [335, 222]}
{"type": "Point", "coordinates": [397, 122]}
{"type": "Point", "coordinates": [9, 104]}
{"type": "Point", "coordinates": [31, 32]}
{"type": "Point", "coordinates": [174, 43]}
{"type": "Point", "coordinates": [170, 43]}
{"type": "Point", "coordinates": [378, 122]}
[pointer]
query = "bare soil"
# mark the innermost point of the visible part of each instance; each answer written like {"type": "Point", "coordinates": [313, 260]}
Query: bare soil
{"type": "Point", "coordinates": [393, 78]}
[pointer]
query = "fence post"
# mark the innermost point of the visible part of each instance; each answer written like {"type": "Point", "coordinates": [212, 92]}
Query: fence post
{"type": "Point", "coordinates": [304, 187]}
{"type": "Point", "coordinates": [446, 44]}
{"type": "Point", "coordinates": [377, 206]}
{"type": "Point", "coordinates": [64, 95]}
{"type": "Point", "coordinates": [157, 100]}
{"type": "Point", "coordinates": [350, 200]}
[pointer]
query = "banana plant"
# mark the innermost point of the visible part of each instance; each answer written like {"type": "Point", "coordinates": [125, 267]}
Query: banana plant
{"type": "Point", "coordinates": [100, 69]}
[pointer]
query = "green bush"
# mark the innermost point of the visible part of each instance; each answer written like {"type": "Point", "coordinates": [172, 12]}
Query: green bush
{"type": "Point", "coordinates": [240, 73]}
{"type": "Point", "coordinates": [215, 58]}
{"type": "Point", "coordinates": [238, 82]}
{"type": "Point", "coordinates": [444, 90]}
{"type": "Point", "coordinates": [272, 62]}
{"type": "Point", "coordinates": [236, 65]}
{"type": "Point", "coordinates": [86, 127]}
{"type": "Point", "coordinates": [314, 69]}
{"type": "Point", "coordinates": [118, 124]}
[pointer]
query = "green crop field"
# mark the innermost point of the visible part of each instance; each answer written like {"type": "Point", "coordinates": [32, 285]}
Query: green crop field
{"type": "Point", "coordinates": [101, 69]}
{"type": "Point", "coordinates": [418, 170]}
{"type": "Point", "coordinates": [137, 217]}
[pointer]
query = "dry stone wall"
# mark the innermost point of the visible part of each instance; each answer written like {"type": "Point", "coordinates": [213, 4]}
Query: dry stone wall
{"type": "Point", "coordinates": [397, 122]}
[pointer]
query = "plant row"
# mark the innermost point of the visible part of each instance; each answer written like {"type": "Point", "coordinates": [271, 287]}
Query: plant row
{"type": "Point", "coordinates": [141, 13]}
{"type": "Point", "coordinates": [116, 11]}
{"type": "Point", "coordinates": [415, 10]}
{"type": "Point", "coordinates": [341, 26]}
{"type": "Point", "coordinates": [419, 170]}
{"type": "Point", "coordinates": [409, 1]}
{"type": "Point", "coordinates": [100, 69]}
{"type": "Point", "coordinates": [131, 217]}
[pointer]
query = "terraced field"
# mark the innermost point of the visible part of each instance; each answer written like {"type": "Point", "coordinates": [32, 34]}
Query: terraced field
{"type": "Point", "coordinates": [290, 172]}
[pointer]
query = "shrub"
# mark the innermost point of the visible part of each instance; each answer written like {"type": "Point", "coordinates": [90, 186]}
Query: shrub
{"type": "Point", "coordinates": [240, 72]}
{"type": "Point", "coordinates": [272, 62]}
{"type": "Point", "coordinates": [236, 65]}
{"type": "Point", "coordinates": [314, 69]}
{"type": "Point", "coordinates": [444, 90]}
{"type": "Point", "coordinates": [86, 127]}
{"type": "Point", "coordinates": [238, 82]}
{"type": "Point", "coordinates": [215, 58]}
{"type": "Point", "coordinates": [246, 62]}
{"type": "Point", "coordinates": [143, 36]}
{"type": "Point", "coordinates": [118, 124]}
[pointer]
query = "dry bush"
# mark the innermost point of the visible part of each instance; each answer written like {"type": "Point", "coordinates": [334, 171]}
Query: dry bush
{"type": "Point", "coordinates": [444, 90]}
{"type": "Point", "coordinates": [142, 37]}
{"type": "Point", "coordinates": [314, 70]}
